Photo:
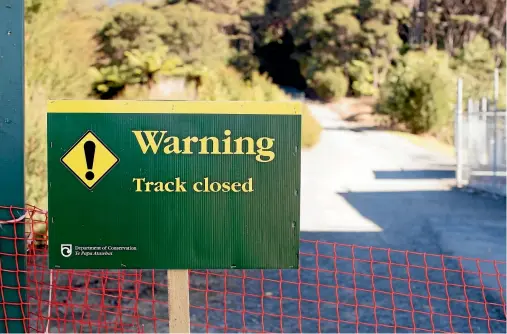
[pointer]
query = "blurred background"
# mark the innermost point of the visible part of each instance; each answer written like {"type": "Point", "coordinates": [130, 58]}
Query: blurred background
{"type": "Point", "coordinates": [388, 64]}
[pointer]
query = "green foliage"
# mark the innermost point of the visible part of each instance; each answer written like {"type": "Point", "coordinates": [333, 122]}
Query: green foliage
{"type": "Point", "coordinates": [362, 78]}
{"type": "Point", "coordinates": [38, 8]}
{"type": "Point", "coordinates": [130, 27]}
{"type": "Point", "coordinates": [109, 81]}
{"type": "Point", "coordinates": [32, 7]}
{"type": "Point", "coordinates": [196, 35]}
{"type": "Point", "coordinates": [311, 128]}
{"type": "Point", "coordinates": [186, 30]}
{"type": "Point", "coordinates": [419, 91]}
{"type": "Point", "coordinates": [477, 54]}
{"type": "Point", "coordinates": [138, 68]}
{"type": "Point", "coordinates": [331, 33]}
{"type": "Point", "coordinates": [330, 84]}
{"type": "Point", "coordinates": [245, 7]}
{"type": "Point", "coordinates": [56, 58]}
{"type": "Point", "coordinates": [476, 65]}
{"type": "Point", "coordinates": [325, 34]}
{"type": "Point", "coordinates": [379, 38]}
{"type": "Point", "coordinates": [147, 67]}
{"type": "Point", "coordinates": [267, 90]}
{"type": "Point", "coordinates": [228, 84]}
{"type": "Point", "coordinates": [453, 23]}
{"type": "Point", "coordinates": [245, 62]}
{"type": "Point", "coordinates": [221, 84]}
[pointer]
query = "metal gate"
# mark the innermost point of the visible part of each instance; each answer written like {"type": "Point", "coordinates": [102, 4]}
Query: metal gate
{"type": "Point", "coordinates": [480, 141]}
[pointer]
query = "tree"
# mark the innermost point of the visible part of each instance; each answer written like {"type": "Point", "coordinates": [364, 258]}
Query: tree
{"type": "Point", "coordinates": [450, 24]}
{"type": "Point", "coordinates": [130, 27]}
{"type": "Point", "coordinates": [195, 34]}
{"type": "Point", "coordinates": [325, 34]}
{"type": "Point", "coordinates": [379, 37]}
{"type": "Point", "coordinates": [331, 33]}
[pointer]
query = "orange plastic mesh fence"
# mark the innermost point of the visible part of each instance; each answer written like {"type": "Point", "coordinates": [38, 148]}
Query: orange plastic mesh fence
{"type": "Point", "coordinates": [338, 288]}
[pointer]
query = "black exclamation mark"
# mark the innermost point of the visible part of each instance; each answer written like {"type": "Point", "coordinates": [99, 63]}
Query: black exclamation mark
{"type": "Point", "coordinates": [89, 148]}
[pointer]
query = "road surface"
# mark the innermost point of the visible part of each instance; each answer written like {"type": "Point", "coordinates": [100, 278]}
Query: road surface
{"type": "Point", "coordinates": [379, 189]}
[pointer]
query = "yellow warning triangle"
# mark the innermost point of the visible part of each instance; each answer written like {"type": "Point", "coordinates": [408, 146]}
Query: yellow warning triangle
{"type": "Point", "coordinates": [89, 159]}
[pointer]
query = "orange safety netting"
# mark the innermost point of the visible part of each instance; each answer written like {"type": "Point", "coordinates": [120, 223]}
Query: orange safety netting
{"type": "Point", "coordinates": [338, 288]}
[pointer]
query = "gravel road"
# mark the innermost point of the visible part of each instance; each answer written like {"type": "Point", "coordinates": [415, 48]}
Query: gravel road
{"type": "Point", "coordinates": [361, 187]}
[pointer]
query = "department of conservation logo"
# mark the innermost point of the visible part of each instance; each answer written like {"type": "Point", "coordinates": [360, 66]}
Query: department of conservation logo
{"type": "Point", "coordinates": [66, 250]}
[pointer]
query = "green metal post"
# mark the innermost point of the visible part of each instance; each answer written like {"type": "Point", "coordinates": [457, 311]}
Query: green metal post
{"type": "Point", "coordinates": [13, 309]}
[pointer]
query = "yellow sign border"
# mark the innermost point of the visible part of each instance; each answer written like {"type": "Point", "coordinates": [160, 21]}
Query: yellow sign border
{"type": "Point", "coordinates": [75, 144]}
{"type": "Point", "coordinates": [175, 107]}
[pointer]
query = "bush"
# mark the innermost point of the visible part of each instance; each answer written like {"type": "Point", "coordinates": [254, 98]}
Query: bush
{"type": "Point", "coordinates": [195, 34]}
{"type": "Point", "coordinates": [362, 79]}
{"type": "Point", "coordinates": [225, 83]}
{"type": "Point", "coordinates": [311, 128]}
{"type": "Point", "coordinates": [419, 92]}
{"type": "Point", "coordinates": [330, 84]}
{"type": "Point", "coordinates": [264, 89]}
{"type": "Point", "coordinates": [130, 27]}
{"type": "Point", "coordinates": [220, 84]}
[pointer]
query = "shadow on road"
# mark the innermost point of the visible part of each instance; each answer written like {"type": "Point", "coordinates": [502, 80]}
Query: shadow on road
{"type": "Point", "coordinates": [352, 128]}
{"type": "Point", "coordinates": [414, 174]}
{"type": "Point", "coordinates": [437, 221]}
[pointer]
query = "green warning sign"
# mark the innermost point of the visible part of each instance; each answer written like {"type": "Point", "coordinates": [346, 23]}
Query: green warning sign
{"type": "Point", "coordinates": [173, 185]}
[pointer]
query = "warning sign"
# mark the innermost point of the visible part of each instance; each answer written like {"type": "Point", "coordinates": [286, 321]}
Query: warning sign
{"type": "Point", "coordinates": [200, 185]}
{"type": "Point", "coordinates": [89, 159]}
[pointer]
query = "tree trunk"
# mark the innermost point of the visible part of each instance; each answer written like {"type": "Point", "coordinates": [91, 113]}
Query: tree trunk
{"type": "Point", "coordinates": [424, 3]}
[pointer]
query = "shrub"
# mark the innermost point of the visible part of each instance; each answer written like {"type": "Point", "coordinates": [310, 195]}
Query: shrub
{"type": "Point", "coordinates": [130, 27]}
{"type": "Point", "coordinates": [225, 83]}
{"type": "Point", "coordinates": [195, 34]}
{"type": "Point", "coordinates": [329, 84]}
{"type": "Point", "coordinates": [419, 92]}
{"type": "Point", "coordinates": [220, 84]}
{"type": "Point", "coordinates": [362, 78]}
{"type": "Point", "coordinates": [311, 128]}
{"type": "Point", "coordinates": [267, 91]}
